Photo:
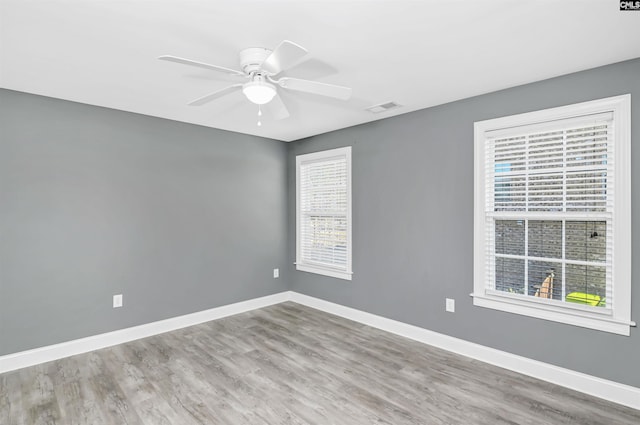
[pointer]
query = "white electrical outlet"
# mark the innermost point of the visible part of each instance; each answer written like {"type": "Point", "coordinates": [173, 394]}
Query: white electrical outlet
{"type": "Point", "coordinates": [117, 301]}
{"type": "Point", "coordinates": [450, 305]}
{"type": "Point", "coordinates": [276, 273]}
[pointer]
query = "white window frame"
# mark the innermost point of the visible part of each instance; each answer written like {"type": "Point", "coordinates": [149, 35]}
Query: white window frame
{"type": "Point", "coordinates": [346, 273]}
{"type": "Point", "coordinates": [617, 319]}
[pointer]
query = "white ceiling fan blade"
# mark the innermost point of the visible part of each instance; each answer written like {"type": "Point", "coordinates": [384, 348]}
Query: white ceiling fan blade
{"type": "Point", "coordinates": [283, 57]}
{"type": "Point", "coordinates": [277, 108]}
{"type": "Point", "coordinates": [200, 64]}
{"type": "Point", "coordinates": [322, 89]}
{"type": "Point", "coordinates": [213, 96]}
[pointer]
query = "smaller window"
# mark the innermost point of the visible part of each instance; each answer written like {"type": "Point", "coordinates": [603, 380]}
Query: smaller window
{"type": "Point", "coordinates": [323, 213]}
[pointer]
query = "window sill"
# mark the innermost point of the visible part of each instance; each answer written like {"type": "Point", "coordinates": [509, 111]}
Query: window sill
{"type": "Point", "coordinates": [324, 271]}
{"type": "Point", "coordinates": [569, 316]}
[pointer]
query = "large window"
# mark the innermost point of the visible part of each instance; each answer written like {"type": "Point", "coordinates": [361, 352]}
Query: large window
{"type": "Point", "coordinates": [323, 213]}
{"type": "Point", "coordinates": [553, 215]}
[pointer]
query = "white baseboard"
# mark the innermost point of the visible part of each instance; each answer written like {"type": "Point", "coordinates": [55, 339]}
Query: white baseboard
{"type": "Point", "coordinates": [598, 387]}
{"type": "Point", "coordinates": [605, 389]}
{"type": "Point", "coordinates": [83, 345]}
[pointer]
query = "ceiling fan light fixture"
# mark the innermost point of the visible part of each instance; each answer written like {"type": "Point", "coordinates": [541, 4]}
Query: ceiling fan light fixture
{"type": "Point", "coordinates": [259, 92]}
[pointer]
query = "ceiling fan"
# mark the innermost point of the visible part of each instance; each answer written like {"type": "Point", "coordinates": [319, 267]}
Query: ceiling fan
{"type": "Point", "coordinates": [260, 67]}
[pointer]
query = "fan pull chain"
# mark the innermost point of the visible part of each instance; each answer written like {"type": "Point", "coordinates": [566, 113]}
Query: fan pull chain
{"type": "Point", "coordinates": [259, 115]}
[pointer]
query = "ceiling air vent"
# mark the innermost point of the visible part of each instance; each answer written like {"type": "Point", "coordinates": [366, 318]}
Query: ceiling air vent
{"type": "Point", "coordinates": [382, 107]}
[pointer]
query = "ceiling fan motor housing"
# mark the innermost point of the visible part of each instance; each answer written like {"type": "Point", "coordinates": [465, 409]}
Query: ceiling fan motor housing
{"type": "Point", "coordinates": [252, 58]}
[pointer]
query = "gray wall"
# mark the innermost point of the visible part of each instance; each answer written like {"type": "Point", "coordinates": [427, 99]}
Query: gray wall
{"type": "Point", "coordinates": [413, 225]}
{"type": "Point", "coordinates": [95, 202]}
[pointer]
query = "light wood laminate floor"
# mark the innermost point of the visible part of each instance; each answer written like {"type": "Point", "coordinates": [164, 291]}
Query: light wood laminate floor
{"type": "Point", "coordinates": [287, 364]}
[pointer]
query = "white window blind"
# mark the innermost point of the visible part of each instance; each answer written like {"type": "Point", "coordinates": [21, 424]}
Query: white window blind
{"type": "Point", "coordinates": [551, 203]}
{"type": "Point", "coordinates": [324, 213]}
{"type": "Point", "coordinates": [565, 167]}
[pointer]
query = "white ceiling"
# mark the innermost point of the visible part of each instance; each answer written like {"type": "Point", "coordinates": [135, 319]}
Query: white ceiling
{"type": "Point", "coordinates": [417, 53]}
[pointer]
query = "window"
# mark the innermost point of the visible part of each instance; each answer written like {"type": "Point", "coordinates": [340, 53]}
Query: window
{"type": "Point", "coordinates": [323, 213]}
{"type": "Point", "coordinates": [553, 214]}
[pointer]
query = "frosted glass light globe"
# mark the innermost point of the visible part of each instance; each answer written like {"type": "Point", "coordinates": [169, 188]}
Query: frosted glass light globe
{"type": "Point", "coordinates": [259, 92]}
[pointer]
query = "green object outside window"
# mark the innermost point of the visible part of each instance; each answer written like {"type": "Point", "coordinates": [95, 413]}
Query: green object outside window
{"type": "Point", "coordinates": [584, 298]}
